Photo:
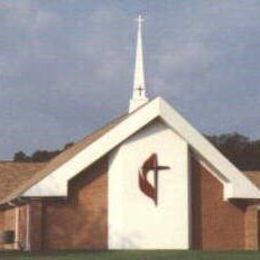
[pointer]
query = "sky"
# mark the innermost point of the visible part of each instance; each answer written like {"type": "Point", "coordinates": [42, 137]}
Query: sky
{"type": "Point", "coordinates": [66, 67]}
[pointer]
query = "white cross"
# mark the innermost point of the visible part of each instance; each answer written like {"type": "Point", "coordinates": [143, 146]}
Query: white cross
{"type": "Point", "coordinates": [139, 20]}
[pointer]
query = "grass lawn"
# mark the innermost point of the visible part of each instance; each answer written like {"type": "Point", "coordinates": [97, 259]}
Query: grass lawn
{"type": "Point", "coordinates": [134, 255]}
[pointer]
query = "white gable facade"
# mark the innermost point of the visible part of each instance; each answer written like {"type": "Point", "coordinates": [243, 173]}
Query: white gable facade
{"type": "Point", "coordinates": [134, 219]}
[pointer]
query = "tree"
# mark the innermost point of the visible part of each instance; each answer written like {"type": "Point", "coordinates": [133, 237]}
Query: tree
{"type": "Point", "coordinates": [242, 152]}
{"type": "Point", "coordinates": [21, 157]}
{"type": "Point", "coordinates": [39, 155]}
{"type": "Point", "coordinates": [43, 156]}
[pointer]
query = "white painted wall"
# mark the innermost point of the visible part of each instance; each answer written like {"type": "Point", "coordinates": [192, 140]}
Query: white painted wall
{"type": "Point", "coordinates": [134, 221]}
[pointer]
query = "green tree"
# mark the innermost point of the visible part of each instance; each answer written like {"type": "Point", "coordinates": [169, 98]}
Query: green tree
{"type": "Point", "coordinates": [21, 157]}
{"type": "Point", "coordinates": [39, 155]}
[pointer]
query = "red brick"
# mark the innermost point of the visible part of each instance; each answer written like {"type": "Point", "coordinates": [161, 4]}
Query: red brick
{"type": "Point", "coordinates": [36, 227]}
{"type": "Point", "coordinates": [251, 229]}
{"type": "Point", "coordinates": [1, 225]}
{"type": "Point", "coordinates": [216, 224]}
{"type": "Point", "coordinates": [258, 229]}
{"type": "Point", "coordinates": [80, 221]}
{"type": "Point", "coordinates": [22, 226]}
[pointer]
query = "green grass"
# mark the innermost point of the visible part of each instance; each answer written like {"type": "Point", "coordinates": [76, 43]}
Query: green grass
{"type": "Point", "coordinates": [133, 255]}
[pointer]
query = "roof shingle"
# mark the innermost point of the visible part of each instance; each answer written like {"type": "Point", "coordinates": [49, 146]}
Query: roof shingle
{"type": "Point", "coordinates": [14, 174]}
{"type": "Point", "coordinates": [254, 176]}
{"type": "Point", "coordinates": [18, 188]}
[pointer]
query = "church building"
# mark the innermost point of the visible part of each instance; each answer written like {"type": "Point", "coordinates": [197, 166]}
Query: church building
{"type": "Point", "coordinates": [146, 180]}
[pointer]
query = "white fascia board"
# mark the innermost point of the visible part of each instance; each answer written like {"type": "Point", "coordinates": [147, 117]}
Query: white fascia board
{"type": "Point", "coordinates": [239, 186]}
{"type": "Point", "coordinates": [56, 183]}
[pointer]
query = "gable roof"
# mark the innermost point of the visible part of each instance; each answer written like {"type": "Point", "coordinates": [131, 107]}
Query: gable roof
{"type": "Point", "coordinates": [254, 176]}
{"type": "Point", "coordinates": [38, 173]}
{"type": "Point", "coordinates": [14, 174]}
{"type": "Point", "coordinates": [53, 179]}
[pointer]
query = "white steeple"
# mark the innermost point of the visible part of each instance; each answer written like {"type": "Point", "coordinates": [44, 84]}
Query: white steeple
{"type": "Point", "coordinates": [139, 98]}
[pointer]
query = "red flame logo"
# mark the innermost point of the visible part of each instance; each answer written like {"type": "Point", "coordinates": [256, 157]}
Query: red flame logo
{"type": "Point", "coordinates": [150, 165]}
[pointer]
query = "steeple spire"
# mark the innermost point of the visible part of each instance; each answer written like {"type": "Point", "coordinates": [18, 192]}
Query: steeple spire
{"type": "Point", "coordinates": [139, 95]}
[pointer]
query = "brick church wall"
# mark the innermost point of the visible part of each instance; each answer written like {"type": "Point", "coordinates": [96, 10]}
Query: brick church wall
{"type": "Point", "coordinates": [258, 229]}
{"type": "Point", "coordinates": [216, 224]}
{"type": "Point", "coordinates": [9, 219]}
{"type": "Point", "coordinates": [36, 227]}
{"type": "Point", "coordinates": [1, 225]}
{"type": "Point", "coordinates": [251, 228]}
{"type": "Point", "coordinates": [2, 220]}
{"type": "Point", "coordinates": [81, 220]}
{"type": "Point", "coordinates": [22, 225]}
{"type": "Point", "coordinates": [8, 222]}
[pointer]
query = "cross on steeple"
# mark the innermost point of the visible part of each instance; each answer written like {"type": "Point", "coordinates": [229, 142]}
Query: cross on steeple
{"type": "Point", "coordinates": [140, 89]}
{"type": "Point", "coordinates": [139, 20]}
{"type": "Point", "coordinates": [139, 95]}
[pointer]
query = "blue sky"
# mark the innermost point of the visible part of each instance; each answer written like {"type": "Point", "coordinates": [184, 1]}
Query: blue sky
{"type": "Point", "coordinates": [66, 67]}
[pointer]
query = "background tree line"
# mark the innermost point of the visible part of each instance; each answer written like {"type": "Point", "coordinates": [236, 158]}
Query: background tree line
{"type": "Point", "coordinates": [239, 149]}
{"type": "Point", "coordinates": [39, 155]}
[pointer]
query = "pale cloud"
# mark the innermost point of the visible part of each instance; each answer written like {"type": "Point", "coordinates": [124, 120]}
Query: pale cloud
{"type": "Point", "coordinates": [66, 66]}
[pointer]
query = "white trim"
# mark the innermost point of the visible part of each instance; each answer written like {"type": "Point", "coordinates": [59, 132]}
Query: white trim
{"type": "Point", "coordinates": [55, 184]}
{"type": "Point", "coordinates": [239, 186]}
{"type": "Point", "coordinates": [258, 227]}
{"type": "Point", "coordinates": [190, 197]}
{"type": "Point", "coordinates": [17, 216]}
{"type": "Point", "coordinates": [220, 177]}
{"type": "Point", "coordinates": [28, 220]}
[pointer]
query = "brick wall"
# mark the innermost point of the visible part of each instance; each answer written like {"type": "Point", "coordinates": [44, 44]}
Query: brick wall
{"type": "Point", "coordinates": [36, 224]}
{"type": "Point", "coordinates": [9, 216]}
{"type": "Point", "coordinates": [258, 229]}
{"type": "Point", "coordinates": [9, 219]}
{"type": "Point", "coordinates": [2, 219]}
{"type": "Point", "coordinates": [22, 226]}
{"type": "Point", "coordinates": [81, 220]}
{"type": "Point", "coordinates": [251, 228]}
{"type": "Point", "coordinates": [216, 224]}
{"type": "Point", "coordinates": [1, 225]}
{"type": "Point", "coordinates": [9, 224]}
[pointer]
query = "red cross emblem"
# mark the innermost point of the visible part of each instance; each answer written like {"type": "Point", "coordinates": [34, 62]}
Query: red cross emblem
{"type": "Point", "coordinates": [150, 165]}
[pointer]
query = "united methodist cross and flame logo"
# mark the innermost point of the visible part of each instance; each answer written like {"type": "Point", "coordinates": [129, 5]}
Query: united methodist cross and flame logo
{"type": "Point", "coordinates": [150, 165]}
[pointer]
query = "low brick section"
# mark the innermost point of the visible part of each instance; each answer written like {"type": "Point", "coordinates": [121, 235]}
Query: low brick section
{"type": "Point", "coordinates": [9, 219]}
{"type": "Point", "coordinates": [81, 220]}
{"type": "Point", "coordinates": [2, 219]}
{"type": "Point", "coordinates": [9, 224]}
{"type": "Point", "coordinates": [36, 227]}
{"type": "Point", "coordinates": [216, 224]}
{"type": "Point", "coordinates": [258, 229]}
{"type": "Point", "coordinates": [22, 226]}
{"type": "Point", "coordinates": [251, 228]}
{"type": "Point", "coordinates": [1, 226]}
